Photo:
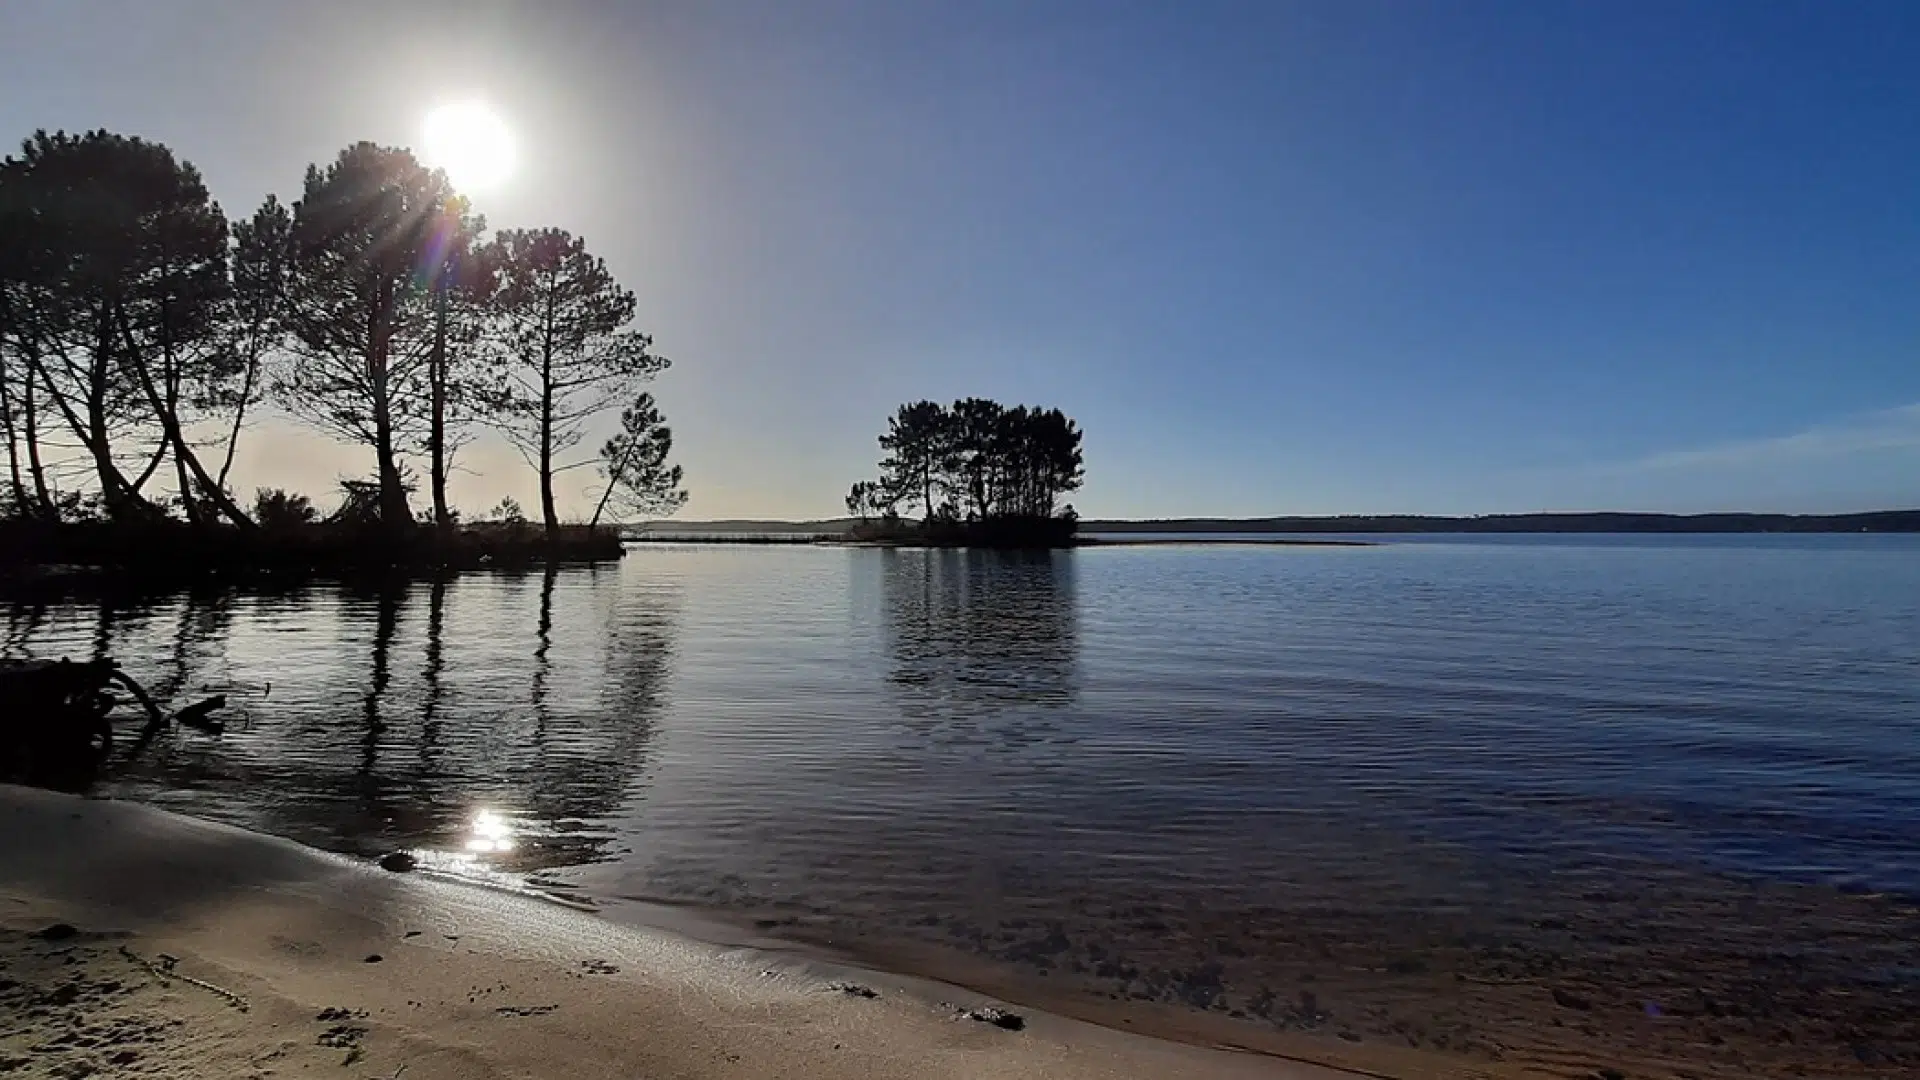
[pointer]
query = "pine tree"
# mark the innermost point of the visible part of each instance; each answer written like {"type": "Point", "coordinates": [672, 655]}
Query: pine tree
{"type": "Point", "coordinates": [640, 482]}
{"type": "Point", "coordinates": [566, 353]}
{"type": "Point", "coordinates": [370, 235]}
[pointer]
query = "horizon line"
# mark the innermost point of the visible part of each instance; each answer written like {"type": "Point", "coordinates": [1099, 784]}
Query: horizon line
{"type": "Point", "coordinates": [1676, 515]}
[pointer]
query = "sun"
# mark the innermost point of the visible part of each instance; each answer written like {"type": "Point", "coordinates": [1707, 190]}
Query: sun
{"type": "Point", "coordinates": [471, 142]}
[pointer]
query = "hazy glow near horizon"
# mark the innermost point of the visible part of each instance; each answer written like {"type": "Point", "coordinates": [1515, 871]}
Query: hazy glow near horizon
{"type": "Point", "coordinates": [472, 143]}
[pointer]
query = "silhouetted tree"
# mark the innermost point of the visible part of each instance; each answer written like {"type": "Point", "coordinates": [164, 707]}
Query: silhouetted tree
{"type": "Point", "coordinates": [975, 454]}
{"type": "Point", "coordinates": [18, 425]}
{"type": "Point", "coordinates": [171, 304]}
{"type": "Point", "coordinates": [124, 305]}
{"type": "Point", "coordinates": [117, 294]}
{"type": "Point", "coordinates": [17, 504]}
{"type": "Point", "coordinates": [462, 286]}
{"type": "Point", "coordinates": [16, 384]}
{"type": "Point", "coordinates": [369, 233]}
{"type": "Point", "coordinates": [1034, 459]}
{"type": "Point", "coordinates": [918, 441]}
{"type": "Point", "coordinates": [868, 499]}
{"type": "Point", "coordinates": [565, 351]}
{"type": "Point", "coordinates": [640, 482]}
{"type": "Point", "coordinates": [135, 318]}
{"type": "Point", "coordinates": [58, 339]}
{"type": "Point", "coordinates": [262, 260]}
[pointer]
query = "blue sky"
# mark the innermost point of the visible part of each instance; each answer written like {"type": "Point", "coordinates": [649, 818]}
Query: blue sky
{"type": "Point", "coordinates": [1275, 257]}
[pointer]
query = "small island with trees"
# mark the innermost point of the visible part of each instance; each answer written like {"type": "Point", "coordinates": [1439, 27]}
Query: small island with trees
{"type": "Point", "coordinates": [979, 474]}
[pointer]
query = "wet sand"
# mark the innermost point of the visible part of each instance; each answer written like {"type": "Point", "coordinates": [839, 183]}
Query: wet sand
{"type": "Point", "coordinates": [140, 943]}
{"type": "Point", "coordinates": [137, 942]}
{"type": "Point", "coordinates": [1631, 970]}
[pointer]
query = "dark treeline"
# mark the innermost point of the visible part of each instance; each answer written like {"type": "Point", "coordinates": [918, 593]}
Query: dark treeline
{"type": "Point", "coordinates": [142, 333]}
{"type": "Point", "coordinates": [976, 472]}
{"type": "Point", "coordinates": [1879, 521]}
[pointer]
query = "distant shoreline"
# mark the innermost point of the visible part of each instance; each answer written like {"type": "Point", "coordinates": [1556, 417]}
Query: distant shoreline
{"type": "Point", "coordinates": [1215, 540]}
{"type": "Point", "coordinates": [1888, 521]}
{"type": "Point", "coordinates": [1878, 521]}
{"type": "Point", "coordinates": [813, 539]}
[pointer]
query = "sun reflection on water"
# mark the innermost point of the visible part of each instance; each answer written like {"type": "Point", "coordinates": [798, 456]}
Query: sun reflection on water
{"type": "Point", "coordinates": [478, 852]}
{"type": "Point", "coordinates": [490, 834]}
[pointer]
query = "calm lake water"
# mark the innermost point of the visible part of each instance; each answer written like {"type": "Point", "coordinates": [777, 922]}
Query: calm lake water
{"type": "Point", "coordinates": [958, 747]}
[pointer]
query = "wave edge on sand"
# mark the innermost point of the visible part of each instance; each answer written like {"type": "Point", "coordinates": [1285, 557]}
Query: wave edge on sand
{"type": "Point", "coordinates": [134, 939]}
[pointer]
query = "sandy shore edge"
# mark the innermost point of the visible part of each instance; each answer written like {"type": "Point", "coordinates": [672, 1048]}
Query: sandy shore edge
{"type": "Point", "coordinates": [138, 942]}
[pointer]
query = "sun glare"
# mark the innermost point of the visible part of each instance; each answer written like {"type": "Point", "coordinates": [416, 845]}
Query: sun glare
{"type": "Point", "coordinates": [491, 834]}
{"type": "Point", "coordinates": [472, 143]}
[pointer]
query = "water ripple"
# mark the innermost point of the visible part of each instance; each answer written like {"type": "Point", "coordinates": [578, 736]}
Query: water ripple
{"type": "Point", "coordinates": [898, 733]}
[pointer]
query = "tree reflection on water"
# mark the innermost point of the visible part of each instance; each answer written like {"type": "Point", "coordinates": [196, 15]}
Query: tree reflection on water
{"type": "Point", "coordinates": [982, 643]}
{"type": "Point", "coordinates": [399, 709]}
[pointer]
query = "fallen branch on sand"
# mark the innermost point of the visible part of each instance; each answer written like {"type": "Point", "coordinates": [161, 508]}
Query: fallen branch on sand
{"type": "Point", "coordinates": [163, 969]}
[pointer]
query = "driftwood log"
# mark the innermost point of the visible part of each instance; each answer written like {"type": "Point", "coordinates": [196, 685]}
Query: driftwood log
{"type": "Point", "coordinates": [56, 716]}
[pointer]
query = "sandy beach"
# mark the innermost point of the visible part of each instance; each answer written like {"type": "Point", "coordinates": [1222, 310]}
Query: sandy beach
{"type": "Point", "coordinates": [138, 942]}
{"type": "Point", "coordinates": [134, 942]}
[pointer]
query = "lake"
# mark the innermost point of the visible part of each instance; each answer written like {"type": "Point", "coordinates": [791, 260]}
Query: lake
{"type": "Point", "coordinates": [1293, 786]}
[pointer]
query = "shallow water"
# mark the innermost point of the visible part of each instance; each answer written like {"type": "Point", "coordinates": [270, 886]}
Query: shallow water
{"type": "Point", "coordinates": [1118, 745]}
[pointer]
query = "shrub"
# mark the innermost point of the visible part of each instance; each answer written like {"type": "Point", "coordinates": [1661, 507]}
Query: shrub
{"type": "Point", "coordinates": [277, 509]}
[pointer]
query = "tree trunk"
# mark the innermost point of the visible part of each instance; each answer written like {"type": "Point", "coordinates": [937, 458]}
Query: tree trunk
{"type": "Point", "coordinates": [394, 513]}
{"type": "Point", "coordinates": [21, 507]}
{"type": "Point", "coordinates": [17, 483]}
{"type": "Point", "coordinates": [600, 507]}
{"type": "Point", "coordinates": [139, 483]}
{"type": "Point", "coordinates": [121, 501]}
{"type": "Point", "coordinates": [188, 500]}
{"type": "Point", "coordinates": [36, 470]}
{"type": "Point", "coordinates": [547, 512]}
{"type": "Point", "coordinates": [114, 490]}
{"type": "Point", "coordinates": [546, 429]}
{"type": "Point", "coordinates": [120, 498]}
{"type": "Point", "coordinates": [437, 436]}
{"type": "Point", "coordinates": [239, 419]}
{"type": "Point", "coordinates": [614, 470]}
{"type": "Point", "coordinates": [186, 463]}
{"type": "Point", "coordinates": [167, 408]}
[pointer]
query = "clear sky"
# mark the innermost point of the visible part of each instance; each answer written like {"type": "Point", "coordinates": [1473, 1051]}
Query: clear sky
{"type": "Point", "coordinates": [1276, 257]}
